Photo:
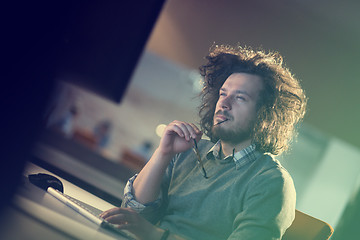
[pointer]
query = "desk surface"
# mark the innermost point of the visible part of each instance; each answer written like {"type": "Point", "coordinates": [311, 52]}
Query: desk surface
{"type": "Point", "coordinates": [36, 214]}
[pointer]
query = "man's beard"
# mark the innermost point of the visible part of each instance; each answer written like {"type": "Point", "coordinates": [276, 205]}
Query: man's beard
{"type": "Point", "coordinates": [233, 136]}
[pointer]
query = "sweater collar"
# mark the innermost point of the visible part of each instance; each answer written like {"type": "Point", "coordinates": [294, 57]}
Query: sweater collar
{"type": "Point", "coordinates": [240, 158]}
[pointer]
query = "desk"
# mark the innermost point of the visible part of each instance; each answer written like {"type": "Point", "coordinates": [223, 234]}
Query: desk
{"type": "Point", "coordinates": [36, 214]}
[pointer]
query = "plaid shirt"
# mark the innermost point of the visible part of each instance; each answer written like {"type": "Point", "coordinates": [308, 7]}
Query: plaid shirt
{"type": "Point", "coordinates": [240, 158]}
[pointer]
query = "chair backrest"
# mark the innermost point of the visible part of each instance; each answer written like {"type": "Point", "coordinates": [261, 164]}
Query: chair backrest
{"type": "Point", "coordinates": [306, 227]}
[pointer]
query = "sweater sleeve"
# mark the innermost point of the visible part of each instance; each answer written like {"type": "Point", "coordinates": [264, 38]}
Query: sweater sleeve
{"type": "Point", "coordinates": [269, 207]}
{"type": "Point", "coordinates": [152, 211]}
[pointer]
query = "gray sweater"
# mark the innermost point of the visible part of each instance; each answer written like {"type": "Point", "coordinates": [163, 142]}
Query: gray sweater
{"type": "Point", "coordinates": [250, 196]}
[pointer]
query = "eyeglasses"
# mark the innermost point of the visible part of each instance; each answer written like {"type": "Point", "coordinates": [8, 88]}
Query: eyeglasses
{"type": "Point", "coordinates": [196, 150]}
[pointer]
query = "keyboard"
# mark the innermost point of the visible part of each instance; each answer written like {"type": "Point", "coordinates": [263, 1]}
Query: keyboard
{"type": "Point", "coordinates": [88, 211]}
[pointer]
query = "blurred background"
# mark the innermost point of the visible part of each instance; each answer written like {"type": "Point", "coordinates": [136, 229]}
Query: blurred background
{"type": "Point", "coordinates": [319, 41]}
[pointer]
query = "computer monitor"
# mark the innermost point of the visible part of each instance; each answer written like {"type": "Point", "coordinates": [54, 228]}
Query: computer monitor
{"type": "Point", "coordinates": [94, 44]}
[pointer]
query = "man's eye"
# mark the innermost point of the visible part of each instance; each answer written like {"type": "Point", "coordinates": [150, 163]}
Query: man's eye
{"type": "Point", "coordinates": [241, 98]}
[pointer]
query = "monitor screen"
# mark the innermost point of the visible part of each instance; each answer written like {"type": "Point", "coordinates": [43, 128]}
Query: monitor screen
{"type": "Point", "coordinates": [93, 45]}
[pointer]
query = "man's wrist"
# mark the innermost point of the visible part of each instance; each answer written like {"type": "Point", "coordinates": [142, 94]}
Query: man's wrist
{"type": "Point", "coordinates": [163, 155]}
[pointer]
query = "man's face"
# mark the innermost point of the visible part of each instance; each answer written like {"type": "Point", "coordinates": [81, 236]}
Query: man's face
{"type": "Point", "coordinates": [235, 111]}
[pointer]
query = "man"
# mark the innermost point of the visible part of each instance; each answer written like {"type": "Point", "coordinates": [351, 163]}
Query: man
{"type": "Point", "coordinates": [236, 190]}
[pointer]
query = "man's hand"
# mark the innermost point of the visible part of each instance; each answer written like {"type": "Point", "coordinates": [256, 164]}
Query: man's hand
{"type": "Point", "coordinates": [178, 137]}
{"type": "Point", "coordinates": [128, 219]}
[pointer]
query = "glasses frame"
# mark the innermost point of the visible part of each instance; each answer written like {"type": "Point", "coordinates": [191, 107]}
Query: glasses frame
{"type": "Point", "coordinates": [199, 161]}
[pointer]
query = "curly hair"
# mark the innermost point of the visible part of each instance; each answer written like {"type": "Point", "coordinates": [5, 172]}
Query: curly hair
{"type": "Point", "coordinates": [282, 102]}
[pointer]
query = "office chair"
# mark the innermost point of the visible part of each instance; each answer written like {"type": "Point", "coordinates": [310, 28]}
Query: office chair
{"type": "Point", "coordinates": [306, 227]}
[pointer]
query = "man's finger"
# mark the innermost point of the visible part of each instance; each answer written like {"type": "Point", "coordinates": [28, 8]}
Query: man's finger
{"type": "Point", "coordinates": [183, 129]}
{"type": "Point", "coordinates": [193, 129]}
{"type": "Point", "coordinates": [110, 212]}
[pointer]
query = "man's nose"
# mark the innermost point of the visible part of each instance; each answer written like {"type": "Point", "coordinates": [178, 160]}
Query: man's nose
{"type": "Point", "coordinates": [226, 102]}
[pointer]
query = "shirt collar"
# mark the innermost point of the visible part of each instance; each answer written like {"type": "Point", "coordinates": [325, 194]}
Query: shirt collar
{"type": "Point", "coordinates": [241, 157]}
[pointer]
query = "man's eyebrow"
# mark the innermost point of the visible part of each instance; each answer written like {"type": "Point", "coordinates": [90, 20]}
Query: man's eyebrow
{"type": "Point", "coordinates": [243, 92]}
{"type": "Point", "coordinates": [238, 92]}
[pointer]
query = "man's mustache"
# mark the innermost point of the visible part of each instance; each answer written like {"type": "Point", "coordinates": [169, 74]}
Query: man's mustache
{"type": "Point", "coordinates": [224, 113]}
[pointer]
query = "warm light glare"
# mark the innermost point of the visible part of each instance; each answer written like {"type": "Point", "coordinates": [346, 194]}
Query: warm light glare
{"type": "Point", "coordinates": [160, 129]}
